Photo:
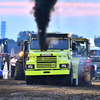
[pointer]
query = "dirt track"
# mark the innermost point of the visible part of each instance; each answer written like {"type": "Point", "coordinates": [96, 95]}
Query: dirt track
{"type": "Point", "coordinates": [18, 90]}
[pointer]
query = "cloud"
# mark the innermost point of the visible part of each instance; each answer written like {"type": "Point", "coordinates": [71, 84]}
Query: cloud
{"type": "Point", "coordinates": [14, 11]}
{"type": "Point", "coordinates": [77, 12]}
{"type": "Point", "coordinates": [77, 9]}
{"type": "Point", "coordinates": [15, 8]}
{"type": "Point", "coordinates": [61, 9]}
{"type": "Point", "coordinates": [16, 4]}
{"type": "Point", "coordinates": [94, 5]}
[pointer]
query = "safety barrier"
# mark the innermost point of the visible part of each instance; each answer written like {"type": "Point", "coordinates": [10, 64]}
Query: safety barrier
{"type": "Point", "coordinates": [4, 73]}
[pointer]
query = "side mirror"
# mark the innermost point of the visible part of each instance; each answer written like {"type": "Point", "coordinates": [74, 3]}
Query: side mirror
{"type": "Point", "coordinates": [73, 46]}
{"type": "Point", "coordinates": [19, 43]}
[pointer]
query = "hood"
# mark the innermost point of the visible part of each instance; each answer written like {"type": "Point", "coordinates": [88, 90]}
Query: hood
{"type": "Point", "coordinates": [49, 53]}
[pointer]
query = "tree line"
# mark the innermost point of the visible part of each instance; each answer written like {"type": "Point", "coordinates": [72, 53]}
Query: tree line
{"type": "Point", "coordinates": [23, 35]}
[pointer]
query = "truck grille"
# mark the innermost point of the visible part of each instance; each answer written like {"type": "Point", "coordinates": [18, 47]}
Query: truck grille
{"type": "Point", "coordinates": [46, 61]}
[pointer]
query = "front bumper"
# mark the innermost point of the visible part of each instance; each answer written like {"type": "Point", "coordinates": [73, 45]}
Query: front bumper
{"type": "Point", "coordinates": [47, 72]}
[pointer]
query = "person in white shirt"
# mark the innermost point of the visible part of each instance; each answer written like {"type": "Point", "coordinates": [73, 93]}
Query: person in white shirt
{"type": "Point", "coordinates": [13, 65]}
{"type": "Point", "coordinates": [79, 48]}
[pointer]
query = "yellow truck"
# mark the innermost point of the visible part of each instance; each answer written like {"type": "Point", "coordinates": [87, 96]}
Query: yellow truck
{"type": "Point", "coordinates": [55, 63]}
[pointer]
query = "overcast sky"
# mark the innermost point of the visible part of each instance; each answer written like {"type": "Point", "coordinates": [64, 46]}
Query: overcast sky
{"type": "Point", "coordinates": [81, 17]}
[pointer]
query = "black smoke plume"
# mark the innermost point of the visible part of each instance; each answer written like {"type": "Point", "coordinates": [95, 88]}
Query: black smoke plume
{"type": "Point", "coordinates": [42, 13]}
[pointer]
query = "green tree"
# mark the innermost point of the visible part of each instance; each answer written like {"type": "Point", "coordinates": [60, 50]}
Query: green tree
{"type": "Point", "coordinates": [11, 44]}
{"type": "Point", "coordinates": [23, 35]}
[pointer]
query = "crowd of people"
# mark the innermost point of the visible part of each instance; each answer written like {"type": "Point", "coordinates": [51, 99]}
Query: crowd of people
{"type": "Point", "coordinates": [10, 61]}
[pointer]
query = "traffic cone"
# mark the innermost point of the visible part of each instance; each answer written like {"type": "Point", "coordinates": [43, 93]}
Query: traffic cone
{"type": "Point", "coordinates": [5, 71]}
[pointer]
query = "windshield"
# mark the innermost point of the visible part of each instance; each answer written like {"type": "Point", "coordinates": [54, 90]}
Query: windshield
{"type": "Point", "coordinates": [95, 53]}
{"type": "Point", "coordinates": [52, 42]}
{"type": "Point", "coordinates": [80, 48]}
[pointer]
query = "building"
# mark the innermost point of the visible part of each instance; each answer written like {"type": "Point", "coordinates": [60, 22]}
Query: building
{"type": "Point", "coordinates": [3, 29]}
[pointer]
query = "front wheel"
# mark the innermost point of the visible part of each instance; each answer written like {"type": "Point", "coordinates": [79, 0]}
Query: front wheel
{"type": "Point", "coordinates": [68, 80]}
{"type": "Point", "coordinates": [29, 80]}
{"type": "Point", "coordinates": [19, 71]}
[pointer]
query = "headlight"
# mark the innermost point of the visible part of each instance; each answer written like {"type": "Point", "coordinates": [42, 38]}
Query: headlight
{"type": "Point", "coordinates": [21, 53]}
{"type": "Point", "coordinates": [30, 66]}
{"type": "Point", "coordinates": [64, 66]}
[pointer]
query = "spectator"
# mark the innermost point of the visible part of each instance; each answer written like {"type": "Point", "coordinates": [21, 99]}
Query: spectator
{"type": "Point", "coordinates": [3, 62]}
{"type": "Point", "coordinates": [13, 65]}
{"type": "Point", "coordinates": [78, 48]}
{"type": "Point", "coordinates": [83, 51]}
{"type": "Point", "coordinates": [94, 53]}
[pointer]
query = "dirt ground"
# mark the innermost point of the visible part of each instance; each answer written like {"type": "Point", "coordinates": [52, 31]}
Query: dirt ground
{"type": "Point", "coordinates": [18, 90]}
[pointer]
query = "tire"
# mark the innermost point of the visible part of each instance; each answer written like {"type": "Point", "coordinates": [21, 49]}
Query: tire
{"type": "Point", "coordinates": [68, 80]}
{"type": "Point", "coordinates": [29, 80]}
{"type": "Point", "coordinates": [19, 71]}
{"type": "Point", "coordinates": [75, 82]}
